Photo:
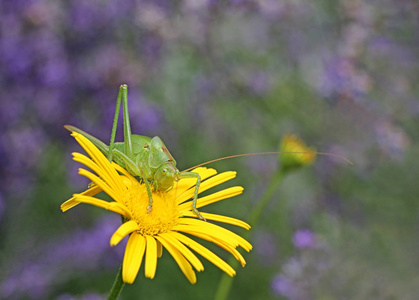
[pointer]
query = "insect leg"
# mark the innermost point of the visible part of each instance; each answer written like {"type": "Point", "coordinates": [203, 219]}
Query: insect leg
{"type": "Point", "coordinates": [136, 170]}
{"type": "Point", "coordinates": [147, 186]}
{"type": "Point", "coordinates": [195, 197]}
{"type": "Point", "coordinates": [127, 126]}
{"type": "Point", "coordinates": [115, 124]}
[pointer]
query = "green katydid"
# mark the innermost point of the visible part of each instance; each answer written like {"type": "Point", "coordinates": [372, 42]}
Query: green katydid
{"type": "Point", "coordinates": [142, 156]}
{"type": "Point", "coordinates": [148, 158]}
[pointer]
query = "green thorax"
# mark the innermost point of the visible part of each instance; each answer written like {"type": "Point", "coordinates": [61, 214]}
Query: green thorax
{"type": "Point", "coordinates": [149, 153]}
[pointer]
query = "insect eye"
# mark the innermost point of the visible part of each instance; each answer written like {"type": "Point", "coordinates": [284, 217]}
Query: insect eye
{"type": "Point", "coordinates": [164, 170]}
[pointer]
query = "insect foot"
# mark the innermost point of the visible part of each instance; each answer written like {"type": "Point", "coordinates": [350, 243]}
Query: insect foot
{"type": "Point", "coordinates": [199, 214]}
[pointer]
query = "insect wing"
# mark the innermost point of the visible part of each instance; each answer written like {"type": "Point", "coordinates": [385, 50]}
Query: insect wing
{"type": "Point", "coordinates": [98, 143]}
{"type": "Point", "coordinates": [158, 153]}
{"type": "Point", "coordinates": [139, 142]}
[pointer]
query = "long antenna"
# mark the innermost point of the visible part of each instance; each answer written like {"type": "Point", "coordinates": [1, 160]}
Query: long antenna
{"type": "Point", "coordinates": [265, 153]}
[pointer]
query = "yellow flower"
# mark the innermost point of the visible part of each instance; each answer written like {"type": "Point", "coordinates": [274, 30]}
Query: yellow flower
{"type": "Point", "coordinates": [294, 153]}
{"type": "Point", "coordinates": [165, 225]}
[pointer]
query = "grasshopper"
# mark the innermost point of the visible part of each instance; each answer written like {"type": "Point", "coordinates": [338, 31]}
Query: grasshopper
{"type": "Point", "coordinates": [142, 156]}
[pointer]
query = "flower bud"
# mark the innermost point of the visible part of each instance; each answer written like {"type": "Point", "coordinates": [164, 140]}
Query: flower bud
{"type": "Point", "coordinates": [294, 153]}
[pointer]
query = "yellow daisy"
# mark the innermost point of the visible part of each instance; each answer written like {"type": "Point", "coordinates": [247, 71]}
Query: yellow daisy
{"type": "Point", "coordinates": [166, 225]}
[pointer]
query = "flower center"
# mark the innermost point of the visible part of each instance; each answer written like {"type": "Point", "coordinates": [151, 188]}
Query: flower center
{"type": "Point", "coordinates": [163, 216]}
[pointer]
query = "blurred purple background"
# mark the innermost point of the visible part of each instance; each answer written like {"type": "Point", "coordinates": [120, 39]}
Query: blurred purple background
{"type": "Point", "coordinates": [215, 78]}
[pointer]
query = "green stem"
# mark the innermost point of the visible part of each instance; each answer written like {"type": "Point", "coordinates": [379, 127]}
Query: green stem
{"type": "Point", "coordinates": [265, 198]}
{"type": "Point", "coordinates": [117, 286]}
{"type": "Point", "coordinates": [284, 229]}
{"type": "Point", "coordinates": [226, 281]}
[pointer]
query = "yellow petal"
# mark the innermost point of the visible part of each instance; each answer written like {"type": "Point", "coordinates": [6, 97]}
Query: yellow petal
{"type": "Point", "coordinates": [123, 231]}
{"type": "Point", "coordinates": [194, 230]}
{"type": "Point", "coordinates": [196, 263]}
{"type": "Point", "coordinates": [205, 185]}
{"type": "Point", "coordinates": [123, 171]}
{"type": "Point", "coordinates": [112, 206]}
{"type": "Point", "coordinates": [216, 180]}
{"type": "Point", "coordinates": [222, 245]}
{"type": "Point", "coordinates": [182, 262]}
{"type": "Point", "coordinates": [204, 171]}
{"type": "Point", "coordinates": [186, 183]}
{"type": "Point", "coordinates": [127, 182]}
{"type": "Point", "coordinates": [159, 249]}
{"type": "Point", "coordinates": [205, 253]}
{"type": "Point", "coordinates": [150, 257]}
{"type": "Point", "coordinates": [218, 218]}
{"type": "Point", "coordinates": [98, 157]}
{"type": "Point", "coordinates": [134, 253]}
{"type": "Point", "coordinates": [221, 195]}
{"type": "Point", "coordinates": [95, 168]}
{"type": "Point", "coordinates": [70, 203]}
{"type": "Point", "coordinates": [102, 184]}
{"type": "Point", "coordinates": [234, 252]}
{"type": "Point", "coordinates": [217, 230]}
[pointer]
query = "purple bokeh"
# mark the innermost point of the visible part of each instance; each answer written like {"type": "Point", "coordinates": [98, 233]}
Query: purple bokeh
{"type": "Point", "coordinates": [81, 251]}
{"type": "Point", "coordinates": [53, 60]}
{"type": "Point", "coordinates": [87, 296]}
{"type": "Point", "coordinates": [266, 249]}
{"type": "Point", "coordinates": [259, 82]}
{"type": "Point", "coordinates": [342, 79]}
{"type": "Point", "coordinates": [392, 141]}
{"type": "Point", "coordinates": [2, 207]}
{"type": "Point", "coordinates": [304, 238]}
{"type": "Point", "coordinates": [283, 286]}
